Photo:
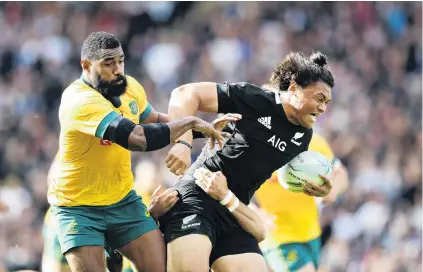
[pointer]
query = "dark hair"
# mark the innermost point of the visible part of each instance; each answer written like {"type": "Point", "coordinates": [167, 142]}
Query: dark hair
{"type": "Point", "coordinates": [295, 66]}
{"type": "Point", "coordinates": [96, 41]}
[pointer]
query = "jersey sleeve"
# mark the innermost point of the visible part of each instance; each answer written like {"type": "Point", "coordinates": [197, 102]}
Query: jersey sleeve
{"type": "Point", "coordinates": [145, 106]}
{"type": "Point", "coordinates": [93, 115]}
{"type": "Point", "coordinates": [237, 97]}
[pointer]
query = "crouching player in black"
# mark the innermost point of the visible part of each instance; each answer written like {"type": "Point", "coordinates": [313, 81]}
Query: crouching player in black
{"type": "Point", "coordinates": [275, 127]}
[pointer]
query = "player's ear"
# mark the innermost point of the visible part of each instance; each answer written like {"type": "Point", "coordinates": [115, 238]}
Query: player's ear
{"type": "Point", "coordinates": [294, 88]}
{"type": "Point", "coordinates": [86, 65]}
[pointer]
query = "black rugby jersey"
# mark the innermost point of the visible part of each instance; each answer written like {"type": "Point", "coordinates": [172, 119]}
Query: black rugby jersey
{"type": "Point", "coordinates": [260, 143]}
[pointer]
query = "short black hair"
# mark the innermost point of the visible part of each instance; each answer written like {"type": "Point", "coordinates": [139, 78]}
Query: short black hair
{"type": "Point", "coordinates": [96, 41]}
{"type": "Point", "coordinates": [304, 71]}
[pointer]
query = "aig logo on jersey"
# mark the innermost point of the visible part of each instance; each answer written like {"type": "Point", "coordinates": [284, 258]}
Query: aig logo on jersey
{"type": "Point", "coordinates": [281, 145]}
{"type": "Point", "coordinates": [277, 143]}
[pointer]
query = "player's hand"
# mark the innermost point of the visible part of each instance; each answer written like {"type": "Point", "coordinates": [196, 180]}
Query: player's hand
{"type": "Point", "coordinates": [209, 131]}
{"type": "Point", "coordinates": [221, 122]}
{"type": "Point", "coordinates": [214, 184]}
{"type": "Point", "coordinates": [161, 204]}
{"type": "Point", "coordinates": [178, 159]}
{"type": "Point", "coordinates": [312, 189]}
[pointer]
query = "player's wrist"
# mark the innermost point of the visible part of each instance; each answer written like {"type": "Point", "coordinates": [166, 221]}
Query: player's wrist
{"type": "Point", "coordinates": [231, 202]}
{"type": "Point", "coordinates": [186, 137]}
{"type": "Point", "coordinates": [225, 200]}
{"type": "Point", "coordinates": [185, 143]}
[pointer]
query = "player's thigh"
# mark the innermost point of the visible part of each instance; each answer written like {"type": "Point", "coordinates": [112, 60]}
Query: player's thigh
{"type": "Point", "coordinates": [135, 234]}
{"type": "Point", "coordinates": [246, 262]}
{"type": "Point", "coordinates": [87, 259]}
{"type": "Point", "coordinates": [147, 252]}
{"type": "Point", "coordinates": [189, 253]}
{"type": "Point", "coordinates": [237, 250]}
{"type": "Point", "coordinates": [127, 220]}
{"type": "Point", "coordinates": [297, 256]}
{"type": "Point", "coordinates": [189, 238]}
{"type": "Point", "coordinates": [79, 226]}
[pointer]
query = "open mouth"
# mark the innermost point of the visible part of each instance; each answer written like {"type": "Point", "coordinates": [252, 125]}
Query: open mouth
{"type": "Point", "coordinates": [313, 116]}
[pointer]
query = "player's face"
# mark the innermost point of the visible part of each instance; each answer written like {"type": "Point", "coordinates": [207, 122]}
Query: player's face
{"type": "Point", "coordinates": [312, 101]}
{"type": "Point", "coordinates": [108, 72]}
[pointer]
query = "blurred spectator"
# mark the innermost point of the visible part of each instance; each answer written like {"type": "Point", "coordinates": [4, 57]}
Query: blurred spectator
{"type": "Point", "coordinates": [374, 122]}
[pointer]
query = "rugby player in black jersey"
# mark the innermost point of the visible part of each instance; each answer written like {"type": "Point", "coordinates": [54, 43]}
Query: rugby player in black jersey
{"type": "Point", "coordinates": [275, 127]}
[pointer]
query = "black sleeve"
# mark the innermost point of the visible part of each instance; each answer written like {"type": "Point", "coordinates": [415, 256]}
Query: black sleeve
{"type": "Point", "coordinates": [238, 97]}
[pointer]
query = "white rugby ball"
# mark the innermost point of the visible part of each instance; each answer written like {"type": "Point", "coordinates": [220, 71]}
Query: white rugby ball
{"type": "Point", "coordinates": [307, 165]}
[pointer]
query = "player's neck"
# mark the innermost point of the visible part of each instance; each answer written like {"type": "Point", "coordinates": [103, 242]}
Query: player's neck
{"type": "Point", "coordinates": [87, 79]}
{"type": "Point", "coordinates": [289, 109]}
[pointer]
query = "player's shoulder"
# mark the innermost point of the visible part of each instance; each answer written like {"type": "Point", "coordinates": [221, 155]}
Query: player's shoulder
{"type": "Point", "coordinates": [134, 88]}
{"type": "Point", "coordinates": [133, 83]}
{"type": "Point", "coordinates": [79, 90]}
{"type": "Point", "coordinates": [79, 93]}
{"type": "Point", "coordinates": [246, 86]}
{"type": "Point", "coordinates": [252, 90]}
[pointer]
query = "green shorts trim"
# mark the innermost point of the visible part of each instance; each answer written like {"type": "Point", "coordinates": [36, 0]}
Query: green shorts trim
{"type": "Point", "coordinates": [298, 255]}
{"type": "Point", "coordinates": [116, 224]}
{"type": "Point", "coordinates": [293, 256]}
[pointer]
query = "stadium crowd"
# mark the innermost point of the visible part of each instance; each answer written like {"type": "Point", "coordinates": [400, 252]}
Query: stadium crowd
{"type": "Point", "coordinates": [373, 124]}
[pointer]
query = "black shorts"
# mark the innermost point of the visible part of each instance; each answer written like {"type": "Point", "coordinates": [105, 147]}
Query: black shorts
{"type": "Point", "coordinates": [198, 213]}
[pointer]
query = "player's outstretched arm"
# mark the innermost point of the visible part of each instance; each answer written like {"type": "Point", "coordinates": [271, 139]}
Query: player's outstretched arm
{"type": "Point", "coordinates": [150, 137]}
{"type": "Point", "coordinates": [215, 185]}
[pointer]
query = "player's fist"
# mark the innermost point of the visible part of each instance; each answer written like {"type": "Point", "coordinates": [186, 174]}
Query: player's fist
{"type": "Point", "coordinates": [162, 203]}
{"type": "Point", "coordinates": [178, 159]}
{"type": "Point", "coordinates": [214, 184]}
{"type": "Point", "coordinates": [313, 189]}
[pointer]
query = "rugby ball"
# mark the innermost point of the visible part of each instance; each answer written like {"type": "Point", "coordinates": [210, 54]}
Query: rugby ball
{"type": "Point", "coordinates": [308, 165]}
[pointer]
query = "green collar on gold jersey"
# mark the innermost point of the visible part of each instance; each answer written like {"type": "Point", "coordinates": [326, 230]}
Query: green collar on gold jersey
{"type": "Point", "coordinates": [86, 81]}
